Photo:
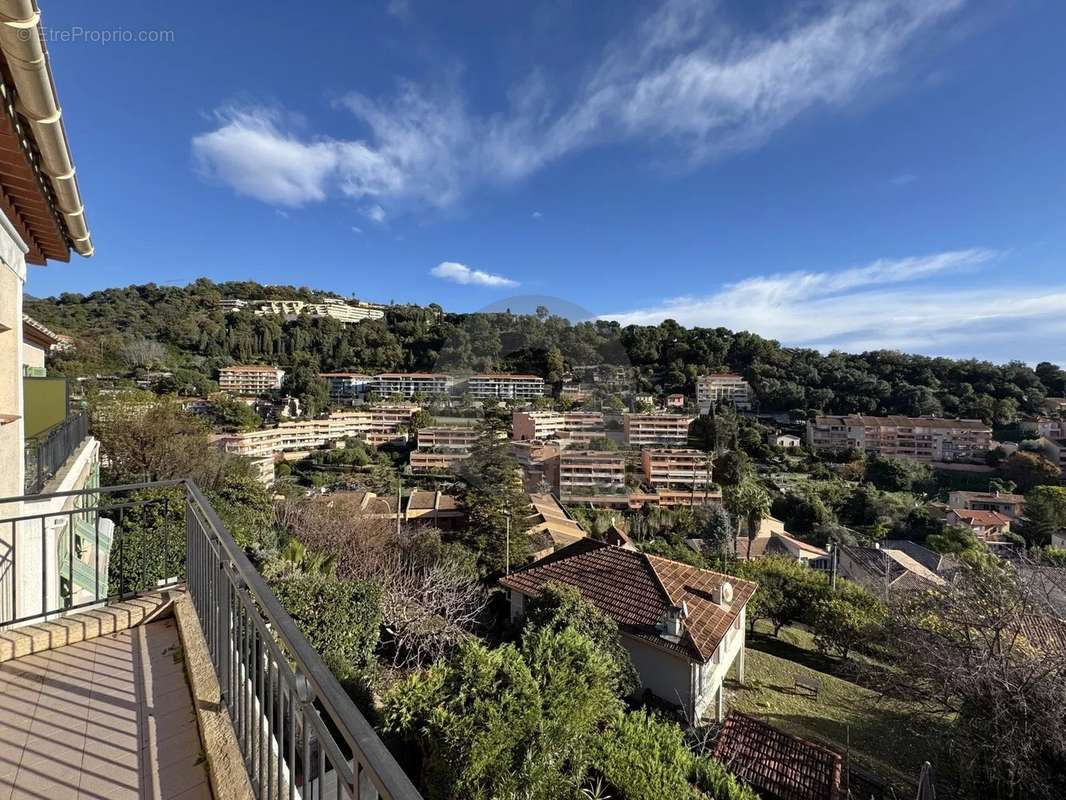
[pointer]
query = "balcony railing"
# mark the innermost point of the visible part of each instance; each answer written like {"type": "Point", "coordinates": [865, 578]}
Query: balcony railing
{"type": "Point", "coordinates": [299, 732]}
{"type": "Point", "coordinates": [49, 451]}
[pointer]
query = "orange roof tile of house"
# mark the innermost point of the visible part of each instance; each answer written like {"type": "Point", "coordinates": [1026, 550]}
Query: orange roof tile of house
{"type": "Point", "coordinates": [778, 765]}
{"type": "Point", "coordinates": [982, 518]}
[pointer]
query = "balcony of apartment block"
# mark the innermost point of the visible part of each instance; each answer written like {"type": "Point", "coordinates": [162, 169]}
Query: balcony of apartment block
{"type": "Point", "coordinates": [142, 655]}
{"type": "Point", "coordinates": [56, 431]}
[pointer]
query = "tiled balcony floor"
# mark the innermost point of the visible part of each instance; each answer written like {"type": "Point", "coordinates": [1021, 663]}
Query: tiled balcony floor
{"type": "Point", "coordinates": [109, 719]}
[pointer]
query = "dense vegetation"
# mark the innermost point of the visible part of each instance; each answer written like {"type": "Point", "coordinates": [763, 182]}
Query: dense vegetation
{"type": "Point", "coordinates": [182, 328]}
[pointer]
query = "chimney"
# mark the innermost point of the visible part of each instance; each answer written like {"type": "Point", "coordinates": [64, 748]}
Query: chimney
{"type": "Point", "coordinates": [673, 621]}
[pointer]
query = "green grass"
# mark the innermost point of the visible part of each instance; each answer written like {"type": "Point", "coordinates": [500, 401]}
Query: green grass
{"type": "Point", "coordinates": [876, 730]}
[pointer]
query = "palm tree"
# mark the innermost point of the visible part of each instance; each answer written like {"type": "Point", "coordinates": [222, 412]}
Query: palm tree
{"type": "Point", "coordinates": [750, 502]}
{"type": "Point", "coordinates": [308, 563]}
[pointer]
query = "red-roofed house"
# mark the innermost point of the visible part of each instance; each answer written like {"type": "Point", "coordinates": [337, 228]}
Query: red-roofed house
{"type": "Point", "coordinates": [986, 525]}
{"type": "Point", "coordinates": [683, 626]}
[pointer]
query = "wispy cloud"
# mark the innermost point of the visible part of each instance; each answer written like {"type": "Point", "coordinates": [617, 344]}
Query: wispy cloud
{"type": "Point", "coordinates": [681, 77]}
{"type": "Point", "coordinates": [376, 213]}
{"type": "Point", "coordinates": [537, 215]}
{"type": "Point", "coordinates": [888, 304]}
{"type": "Point", "coordinates": [460, 273]}
{"type": "Point", "coordinates": [904, 179]}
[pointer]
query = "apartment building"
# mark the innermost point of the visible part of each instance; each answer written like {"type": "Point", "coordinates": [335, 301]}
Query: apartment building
{"type": "Point", "coordinates": [442, 448]}
{"type": "Point", "coordinates": [409, 385]}
{"type": "Point", "coordinates": [579, 426]}
{"type": "Point", "coordinates": [582, 472]}
{"type": "Point", "coordinates": [344, 311]}
{"type": "Point", "coordinates": [143, 637]}
{"type": "Point", "coordinates": [503, 386]}
{"type": "Point", "coordinates": [250, 379]}
{"type": "Point", "coordinates": [458, 437]}
{"type": "Point", "coordinates": [723, 387]}
{"type": "Point", "coordinates": [652, 430]}
{"type": "Point", "coordinates": [918, 438]}
{"type": "Point", "coordinates": [675, 401]}
{"type": "Point", "coordinates": [346, 385]}
{"type": "Point", "coordinates": [376, 426]}
{"type": "Point", "coordinates": [677, 468]}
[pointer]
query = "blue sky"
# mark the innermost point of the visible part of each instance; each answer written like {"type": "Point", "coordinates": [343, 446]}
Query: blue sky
{"type": "Point", "coordinates": [862, 174]}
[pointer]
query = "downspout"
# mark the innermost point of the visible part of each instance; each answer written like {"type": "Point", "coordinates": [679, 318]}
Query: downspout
{"type": "Point", "coordinates": [22, 43]}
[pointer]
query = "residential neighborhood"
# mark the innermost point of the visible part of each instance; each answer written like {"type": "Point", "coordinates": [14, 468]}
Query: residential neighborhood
{"type": "Point", "coordinates": [543, 402]}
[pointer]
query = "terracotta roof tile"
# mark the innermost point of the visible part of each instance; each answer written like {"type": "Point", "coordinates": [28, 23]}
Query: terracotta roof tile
{"type": "Point", "coordinates": [777, 765]}
{"type": "Point", "coordinates": [636, 589]}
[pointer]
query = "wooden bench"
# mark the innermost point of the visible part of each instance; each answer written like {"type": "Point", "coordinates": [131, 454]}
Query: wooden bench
{"type": "Point", "coordinates": [809, 685]}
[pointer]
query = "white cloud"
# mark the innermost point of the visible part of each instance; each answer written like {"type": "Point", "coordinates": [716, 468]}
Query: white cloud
{"type": "Point", "coordinates": [376, 213]}
{"type": "Point", "coordinates": [904, 179]}
{"type": "Point", "coordinates": [536, 215]}
{"type": "Point", "coordinates": [460, 273]}
{"type": "Point", "coordinates": [357, 229]}
{"type": "Point", "coordinates": [251, 153]}
{"type": "Point", "coordinates": [889, 304]}
{"type": "Point", "coordinates": [682, 78]}
{"type": "Point", "coordinates": [401, 9]}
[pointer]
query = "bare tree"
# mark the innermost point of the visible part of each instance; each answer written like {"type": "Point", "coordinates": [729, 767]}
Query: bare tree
{"type": "Point", "coordinates": [983, 653]}
{"type": "Point", "coordinates": [431, 598]}
{"type": "Point", "coordinates": [145, 353]}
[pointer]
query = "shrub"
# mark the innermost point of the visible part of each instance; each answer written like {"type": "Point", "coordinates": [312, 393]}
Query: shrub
{"type": "Point", "coordinates": [560, 607]}
{"type": "Point", "coordinates": [341, 619]}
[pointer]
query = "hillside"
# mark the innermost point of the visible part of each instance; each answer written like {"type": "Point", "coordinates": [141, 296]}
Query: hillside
{"type": "Point", "coordinates": [115, 329]}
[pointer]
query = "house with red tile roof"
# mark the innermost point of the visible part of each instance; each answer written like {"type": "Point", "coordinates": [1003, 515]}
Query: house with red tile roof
{"type": "Point", "coordinates": [684, 627]}
{"type": "Point", "coordinates": [988, 526]}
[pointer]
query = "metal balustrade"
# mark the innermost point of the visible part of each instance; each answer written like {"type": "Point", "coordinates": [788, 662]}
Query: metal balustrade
{"type": "Point", "coordinates": [47, 453]}
{"type": "Point", "coordinates": [299, 732]}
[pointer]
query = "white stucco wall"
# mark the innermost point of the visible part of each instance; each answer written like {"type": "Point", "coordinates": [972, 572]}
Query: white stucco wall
{"type": "Point", "coordinates": [667, 675]}
{"type": "Point", "coordinates": [673, 677]}
{"type": "Point", "coordinates": [32, 355]}
{"type": "Point", "coordinates": [38, 538]}
{"type": "Point", "coordinates": [12, 281]}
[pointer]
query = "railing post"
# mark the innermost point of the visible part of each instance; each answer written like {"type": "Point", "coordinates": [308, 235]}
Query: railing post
{"type": "Point", "coordinates": [223, 611]}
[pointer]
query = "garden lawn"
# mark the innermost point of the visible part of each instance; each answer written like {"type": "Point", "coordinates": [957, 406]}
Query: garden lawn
{"type": "Point", "coordinates": [881, 737]}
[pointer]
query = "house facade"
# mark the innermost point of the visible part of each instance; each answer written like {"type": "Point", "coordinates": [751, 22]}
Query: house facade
{"type": "Point", "coordinates": [683, 627]}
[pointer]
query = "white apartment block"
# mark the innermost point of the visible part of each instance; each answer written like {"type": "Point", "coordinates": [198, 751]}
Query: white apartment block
{"type": "Point", "coordinates": [723, 387]}
{"type": "Point", "coordinates": [580, 426]}
{"type": "Point", "coordinates": [408, 385]}
{"type": "Point", "coordinates": [375, 426]}
{"type": "Point", "coordinates": [651, 430]}
{"type": "Point", "coordinates": [346, 385]}
{"type": "Point", "coordinates": [590, 472]}
{"type": "Point", "coordinates": [918, 438]}
{"type": "Point", "coordinates": [504, 387]}
{"type": "Point", "coordinates": [677, 468]}
{"type": "Point", "coordinates": [332, 307]}
{"type": "Point", "coordinates": [250, 379]}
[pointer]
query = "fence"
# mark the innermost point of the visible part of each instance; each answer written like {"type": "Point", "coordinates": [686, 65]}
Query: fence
{"type": "Point", "coordinates": [47, 453]}
{"type": "Point", "coordinates": [299, 732]}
